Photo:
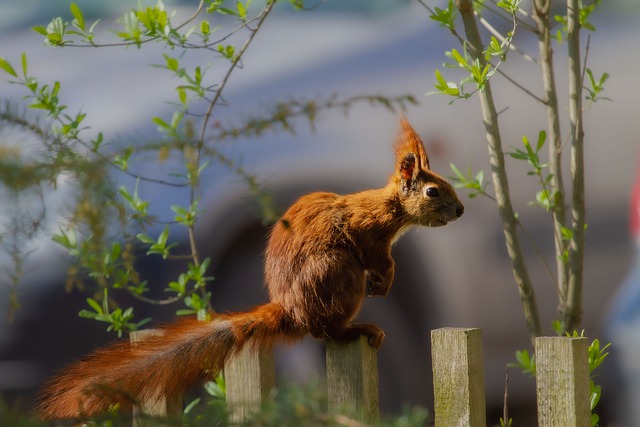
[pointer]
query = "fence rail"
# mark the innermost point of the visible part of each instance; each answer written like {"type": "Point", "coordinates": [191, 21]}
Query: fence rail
{"type": "Point", "coordinates": [562, 381]}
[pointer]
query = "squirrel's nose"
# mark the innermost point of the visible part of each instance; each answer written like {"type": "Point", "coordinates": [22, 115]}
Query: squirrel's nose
{"type": "Point", "coordinates": [459, 210]}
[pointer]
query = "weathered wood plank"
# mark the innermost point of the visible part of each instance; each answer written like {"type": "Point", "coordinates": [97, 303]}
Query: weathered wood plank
{"type": "Point", "coordinates": [161, 406]}
{"type": "Point", "coordinates": [458, 377]}
{"type": "Point", "coordinates": [562, 382]}
{"type": "Point", "coordinates": [352, 380]}
{"type": "Point", "coordinates": [249, 378]}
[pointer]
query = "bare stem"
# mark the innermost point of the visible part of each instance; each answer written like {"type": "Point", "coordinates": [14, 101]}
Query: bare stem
{"type": "Point", "coordinates": [542, 18]}
{"type": "Point", "coordinates": [499, 176]}
{"type": "Point", "coordinates": [570, 311]}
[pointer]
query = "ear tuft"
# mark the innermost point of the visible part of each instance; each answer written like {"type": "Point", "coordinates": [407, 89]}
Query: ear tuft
{"type": "Point", "coordinates": [410, 143]}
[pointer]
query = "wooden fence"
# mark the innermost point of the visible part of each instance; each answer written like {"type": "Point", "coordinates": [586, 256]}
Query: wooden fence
{"type": "Point", "coordinates": [562, 381]}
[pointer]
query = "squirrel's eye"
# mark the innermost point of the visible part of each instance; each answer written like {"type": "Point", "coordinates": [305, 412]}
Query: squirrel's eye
{"type": "Point", "coordinates": [432, 192]}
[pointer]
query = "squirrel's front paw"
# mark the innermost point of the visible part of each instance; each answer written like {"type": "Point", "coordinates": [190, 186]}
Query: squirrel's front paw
{"type": "Point", "coordinates": [376, 284]}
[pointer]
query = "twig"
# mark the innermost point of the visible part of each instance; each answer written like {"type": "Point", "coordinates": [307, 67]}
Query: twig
{"type": "Point", "coordinates": [500, 37]}
{"type": "Point", "coordinates": [521, 87]}
{"type": "Point", "coordinates": [505, 406]}
{"type": "Point", "coordinates": [233, 66]}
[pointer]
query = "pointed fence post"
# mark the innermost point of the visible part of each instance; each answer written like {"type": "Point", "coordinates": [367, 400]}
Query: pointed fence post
{"type": "Point", "coordinates": [458, 378]}
{"type": "Point", "coordinates": [352, 380]}
{"type": "Point", "coordinates": [562, 382]}
{"type": "Point", "coordinates": [249, 378]}
{"type": "Point", "coordinates": [162, 406]}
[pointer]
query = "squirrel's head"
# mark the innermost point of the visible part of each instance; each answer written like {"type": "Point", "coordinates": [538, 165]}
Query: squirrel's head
{"type": "Point", "coordinates": [426, 196]}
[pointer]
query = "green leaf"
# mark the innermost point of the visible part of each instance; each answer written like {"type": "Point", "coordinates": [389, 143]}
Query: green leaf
{"type": "Point", "coordinates": [163, 237]}
{"type": "Point", "coordinates": [56, 31]}
{"type": "Point", "coordinates": [526, 362]}
{"type": "Point", "coordinates": [6, 66]}
{"type": "Point", "coordinates": [441, 81]}
{"type": "Point", "coordinates": [122, 160]}
{"type": "Point", "coordinates": [116, 250]}
{"type": "Point", "coordinates": [227, 51]}
{"type": "Point", "coordinates": [567, 233]}
{"type": "Point", "coordinates": [172, 63]}
{"type": "Point", "coordinates": [176, 118]}
{"type": "Point", "coordinates": [142, 322]}
{"type": "Point", "coordinates": [242, 11]}
{"type": "Point", "coordinates": [216, 388]}
{"type": "Point", "coordinates": [495, 48]}
{"type": "Point", "coordinates": [86, 314]}
{"type": "Point", "coordinates": [93, 26]}
{"type": "Point", "coordinates": [446, 17]}
{"type": "Point", "coordinates": [205, 28]}
{"type": "Point", "coordinates": [40, 30]}
{"type": "Point", "coordinates": [456, 171]}
{"type": "Point", "coordinates": [557, 326]}
{"type": "Point", "coordinates": [145, 239]}
{"type": "Point", "coordinates": [510, 6]}
{"type": "Point", "coordinates": [542, 137]}
{"type": "Point", "coordinates": [77, 14]}
{"type": "Point", "coordinates": [184, 216]}
{"type": "Point", "coordinates": [444, 87]}
{"type": "Point", "coordinates": [24, 65]}
{"type": "Point", "coordinates": [182, 95]}
{"type": "Point", "coordinates": [227, 11]}
{"type": "Point", "coordinates": [192, 404]}
{"type": "Point", "coordinates": [95, 305]}
{"type": "Point", "coordinates": [162, 125]}
{"type": "Point", "coordinates": [462, 62]}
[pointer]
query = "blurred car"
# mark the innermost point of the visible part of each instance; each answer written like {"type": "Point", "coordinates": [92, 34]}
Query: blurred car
{"type": "Point", "coordinates": [458, 275]}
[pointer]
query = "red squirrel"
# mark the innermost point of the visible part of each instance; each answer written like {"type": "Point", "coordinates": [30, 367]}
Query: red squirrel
{"type": "Point", "coordinates": [324, 255]}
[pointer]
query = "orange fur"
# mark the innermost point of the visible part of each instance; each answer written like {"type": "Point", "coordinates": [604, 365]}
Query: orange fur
{"type": "Point", "coordinates": [324, 255]}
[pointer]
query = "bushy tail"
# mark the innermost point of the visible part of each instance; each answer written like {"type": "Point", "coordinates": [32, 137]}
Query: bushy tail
{"type": "Point", "coordinates": [183, 356]}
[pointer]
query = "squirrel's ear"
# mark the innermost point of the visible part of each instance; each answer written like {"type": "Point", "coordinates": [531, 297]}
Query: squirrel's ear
{"type": "Point", "coordinates": [410, 142]}
{"type": "Point", "coordinates": [411, 156]}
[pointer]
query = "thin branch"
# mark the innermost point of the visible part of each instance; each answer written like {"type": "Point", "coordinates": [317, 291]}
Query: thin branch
{"type": "Point", "coordinates": [521, 87]}
{"type": "Point", "coordinates": [234, 64]}
{"type": "Point", "coordinates": [426, 6]}
{"type": "Point", "coordinates": [194, 15]}
{"type": "Point", "coordinates": [500, 37]}
{"type": "Point", "coordinates": [527, 26]}
{"type": "Point", "coordinates": [505, 399]}
{"type": "Point", "coordinates": [200, 144]}
{"type": "Point", "coordinates": [231, 33]}
{"type": "Point", "coordinates": [499, 176]}
{"type": "Point", "coordinates": [151, 301]}
{"type": "Point", "coordinates": [571, 311]}
{"type": "Point", "coordinates": [538, 252]}
{"type": "Point", "coordinates": [543, 19]}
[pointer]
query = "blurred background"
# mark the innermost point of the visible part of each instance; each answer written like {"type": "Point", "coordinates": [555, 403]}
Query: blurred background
{"type": "Point", "coordinates": [453, 276]}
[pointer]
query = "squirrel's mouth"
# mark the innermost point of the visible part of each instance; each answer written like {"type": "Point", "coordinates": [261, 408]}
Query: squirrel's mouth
{"type": "Point", "coordinates": [438, 222]}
